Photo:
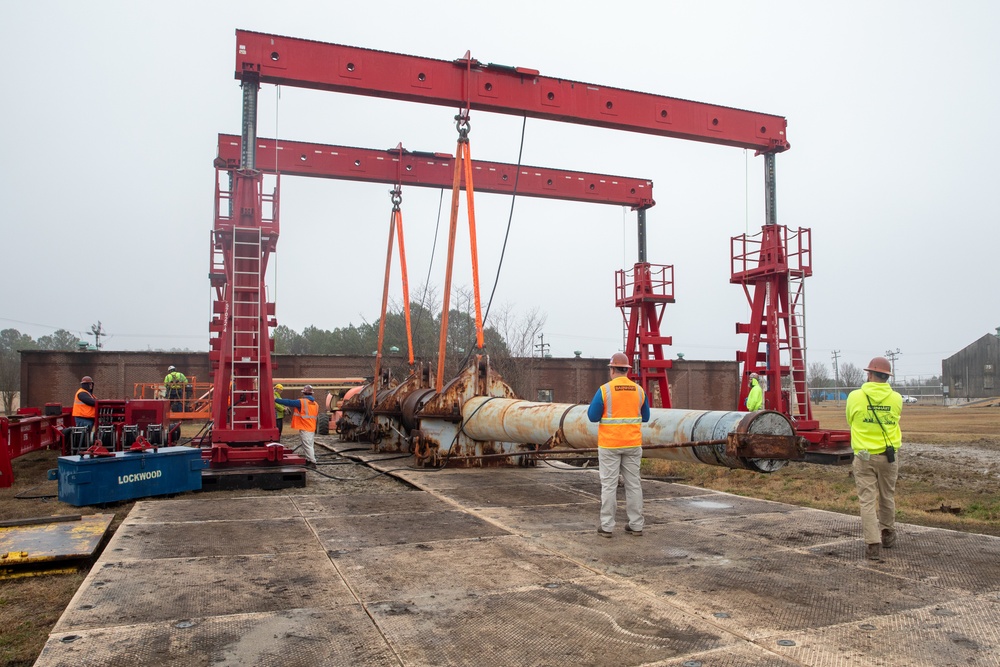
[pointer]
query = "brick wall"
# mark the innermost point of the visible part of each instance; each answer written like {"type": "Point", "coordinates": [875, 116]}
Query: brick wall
{"type": "Point", "coordinates": [53, 377]}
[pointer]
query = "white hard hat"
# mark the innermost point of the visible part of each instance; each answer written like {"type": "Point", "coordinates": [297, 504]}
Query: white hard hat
{"type": "Point", "coordinates": [171, 368]}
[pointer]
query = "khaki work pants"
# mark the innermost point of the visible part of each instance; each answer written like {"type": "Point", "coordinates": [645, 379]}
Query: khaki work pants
{"type": "Point", "coordinates": [624, 461]}
{"type": "Point", "coordinates": [876, 483]}
{"type": "Point", "coordinates": [307, 438]}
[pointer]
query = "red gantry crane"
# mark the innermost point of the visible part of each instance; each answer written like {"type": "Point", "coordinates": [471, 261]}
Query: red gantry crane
{"type": "Point", "coordinates": [467, 84]}
{"type": "Point", "coordinates": [246, 233]}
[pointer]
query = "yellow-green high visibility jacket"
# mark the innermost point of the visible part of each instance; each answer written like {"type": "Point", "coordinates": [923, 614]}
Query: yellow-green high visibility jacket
{"type": "Point", "coordinates": [867, 407]}
{"type": "Point", "coordinates": [755, 397]}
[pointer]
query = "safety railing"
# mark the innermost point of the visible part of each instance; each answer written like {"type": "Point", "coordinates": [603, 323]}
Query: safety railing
{"type": "Point", "coordinates": [193, 403]}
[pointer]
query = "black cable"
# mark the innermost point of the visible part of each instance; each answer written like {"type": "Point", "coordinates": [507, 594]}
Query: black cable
{"type": "Point", "coordinates": [21, 496]}
{"type": "Point", "coordinates": [510, 217]}
{"type": "Point", "coordinates": [207, 425]}
{"type": "Point", "coordinates": [503, 250]}
{"type": "Point", "coordinates": [430, 266]}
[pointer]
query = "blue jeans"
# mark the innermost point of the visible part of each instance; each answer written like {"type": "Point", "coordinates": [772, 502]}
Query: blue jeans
{"type": "Point", "coordinates": [84, 421]}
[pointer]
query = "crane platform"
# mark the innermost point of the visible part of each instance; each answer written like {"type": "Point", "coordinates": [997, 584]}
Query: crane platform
{"type": "Point", "coordinates": [504, 567]}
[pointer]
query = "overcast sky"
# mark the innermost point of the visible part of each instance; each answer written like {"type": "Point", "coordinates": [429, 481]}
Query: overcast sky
{"type": "Point", "coordinates": [111, 112]}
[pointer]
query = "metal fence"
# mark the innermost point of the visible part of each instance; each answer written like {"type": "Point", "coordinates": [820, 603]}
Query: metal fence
{"type": "Point", "coordinates": [912, 394]}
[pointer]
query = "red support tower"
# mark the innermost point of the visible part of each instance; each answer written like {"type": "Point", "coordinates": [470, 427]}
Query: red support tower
{"type": "Point", "coordinates": [641, 294]}
{"type": "Point", "coordinates": [243, 239]}
{"type": "Point", "coordinates": [771, 267]}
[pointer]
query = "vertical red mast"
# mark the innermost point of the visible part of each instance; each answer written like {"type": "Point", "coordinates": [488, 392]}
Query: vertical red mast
{"type": "Point", "coordinates": [243, 239]}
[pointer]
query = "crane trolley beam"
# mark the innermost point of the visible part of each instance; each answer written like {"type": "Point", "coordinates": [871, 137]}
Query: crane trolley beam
{"type": "Point", "coordinates": [434, 170]}
{"type": "Point", "coordinates": [470, 84]}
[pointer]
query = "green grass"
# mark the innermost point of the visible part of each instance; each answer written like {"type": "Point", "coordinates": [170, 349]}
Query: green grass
{"type": "Point", "coordinates": [832, 488]}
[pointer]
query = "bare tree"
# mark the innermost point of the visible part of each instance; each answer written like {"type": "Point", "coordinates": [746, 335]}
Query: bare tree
{"type": "Point", "coordinates": [851, 375]}
{"type": "Point", "coordinates": [818, 375]}
{"type": "Point", "coordinates": [520, 333]}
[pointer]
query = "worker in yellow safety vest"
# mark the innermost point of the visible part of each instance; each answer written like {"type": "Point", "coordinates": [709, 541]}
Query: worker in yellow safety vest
{"type": "Point", "coordinates": [85, 404]}
{"type": "Point", "coordinates": [755, 397]}
{"type": "Point", "coordinates": [305, 410]}
{"type": "Point", "coordinates": [620, 406]}
{"type": "Point", "coordinates": [175, 383]}
{"type": "Point", "coordinates": [279, 409]}
{"type": "Point", "coordinates": [873, 413]}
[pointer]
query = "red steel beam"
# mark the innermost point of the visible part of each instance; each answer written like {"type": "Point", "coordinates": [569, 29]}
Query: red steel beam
{"type": "Point", "coordinates": [434, 170]}
{"type": "Point", "coordinates": [27, 432]}
{"type": "Point", "coordinates": [303, 63]}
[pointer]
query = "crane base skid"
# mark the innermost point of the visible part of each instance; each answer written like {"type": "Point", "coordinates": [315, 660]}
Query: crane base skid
{"type": "Point", "coordinates": [267, 479]}
{"type": "Point", "coordinates": [221, 456]}
{"type": "Point", "coordinates": [828, 446]}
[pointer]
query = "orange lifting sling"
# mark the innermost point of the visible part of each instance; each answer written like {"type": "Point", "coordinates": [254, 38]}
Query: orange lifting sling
{"type": "Point", "coordinates": [395, 228]}
{"type": "Point", "coordinates": [463, 163]}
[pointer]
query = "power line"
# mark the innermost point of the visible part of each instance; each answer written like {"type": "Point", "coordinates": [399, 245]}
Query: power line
{"type": "Point", "coordinates": [891, 356]}
{"type": "Point", "coordinates": [97, 331]}
{"type": "Point", "coordinates": [542, 347]}
{"type": "Point", "coordinates": [836, 375]}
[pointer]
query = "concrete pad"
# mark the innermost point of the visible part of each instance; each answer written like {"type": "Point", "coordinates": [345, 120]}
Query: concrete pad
{"type": "Point", "coordinates": [505, 567]}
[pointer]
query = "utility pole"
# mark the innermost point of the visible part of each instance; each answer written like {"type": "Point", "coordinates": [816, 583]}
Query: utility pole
{"type": "Point", "coordinates": [96, 331]}
{"type": "Point", "coordinates": [542, 347]}
{"type": "Point", "coordinates": [891, 356]}
{"type": "Point", "coordinates": [836, 375]}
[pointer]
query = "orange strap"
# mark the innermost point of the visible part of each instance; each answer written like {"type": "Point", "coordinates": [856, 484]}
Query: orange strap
{"type": "Point", "coordinates": [395, 227]}
{"type": "Point", "coordinates": [463, 163]}
{"type": "Point", "coordinates": [406, 284]}
{"type": "Point", "coordinates": [470, 199]}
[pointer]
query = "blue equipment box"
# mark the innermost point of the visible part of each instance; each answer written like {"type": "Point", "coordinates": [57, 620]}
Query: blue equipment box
{"type": "Point", "coordinates": [127, 475]}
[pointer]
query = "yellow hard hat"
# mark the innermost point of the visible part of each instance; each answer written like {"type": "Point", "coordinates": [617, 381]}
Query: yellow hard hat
{"type": "Point", "coordinates": [279, 386]}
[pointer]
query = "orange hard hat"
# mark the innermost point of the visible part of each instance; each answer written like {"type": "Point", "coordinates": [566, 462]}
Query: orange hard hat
{"type": "Point", "coordinates": [86, 379]}
{"type": "Point", "coordinates": [619, 360]}
{"type": "Point", "coordinates": [880, 365]}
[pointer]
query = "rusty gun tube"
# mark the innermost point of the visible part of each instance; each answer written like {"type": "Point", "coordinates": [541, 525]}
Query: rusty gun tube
{"type": "Point", "coordinates": [512, 420]}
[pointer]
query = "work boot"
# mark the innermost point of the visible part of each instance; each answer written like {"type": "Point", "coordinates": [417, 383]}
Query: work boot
{"type": "Point", "coordinates": [636, 533]}
{"type": "Point", "coordinates": [603, 533]}
{"type": "Point", "coordinates": [874, 552]}
{"type": "Point", "coordinates": [888, 538]}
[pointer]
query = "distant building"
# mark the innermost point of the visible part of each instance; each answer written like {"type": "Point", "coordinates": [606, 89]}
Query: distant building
{"type": "Point", "coordinates": [971, 373]}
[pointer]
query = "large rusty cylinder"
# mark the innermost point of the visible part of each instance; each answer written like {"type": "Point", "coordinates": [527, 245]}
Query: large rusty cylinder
{"type": "Point", "coordinates": [504, 420]}
{"type": "Point", "coordinates": [357, 416]}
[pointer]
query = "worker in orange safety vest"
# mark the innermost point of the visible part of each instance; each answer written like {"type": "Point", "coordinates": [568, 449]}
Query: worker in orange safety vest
{"type": "Point", "coordinates": [305, 410]}
{"type": "Point", "coordinates": [620, 406]}
{"type": "Point", "coordinates": [85, 404]}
